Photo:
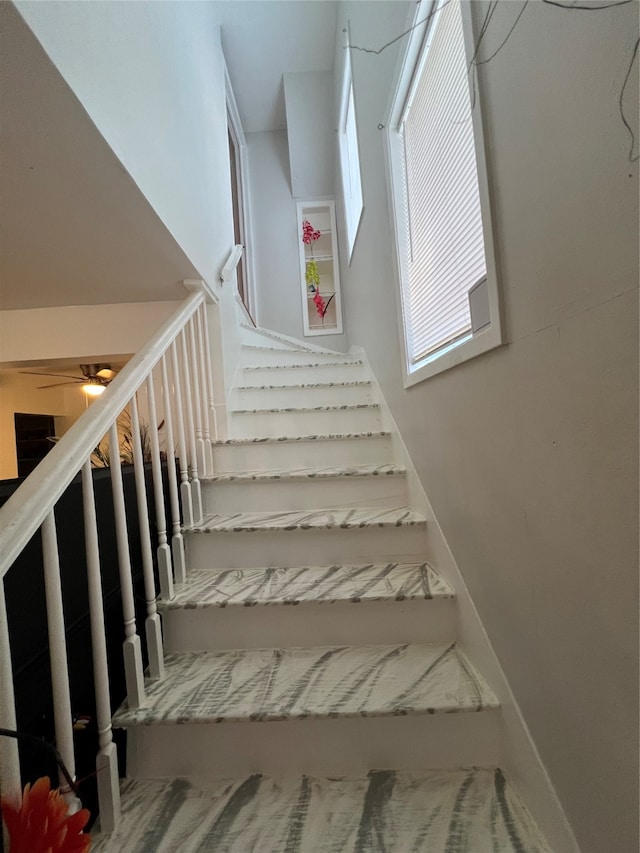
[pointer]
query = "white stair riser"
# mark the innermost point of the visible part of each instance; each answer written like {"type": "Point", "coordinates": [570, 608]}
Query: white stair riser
{"type": "Point", "coordinates": [255, 339]}
{"type": "Point", "coordinates": [258, 355]}
{"type": "Point", "coordinates": [282, 548]}
{"type": "Point", "coordinates": [303, 375]}
{"type": "Point", "coordinates": [275, 424]}
{"type": "Point", "coordinates": [309, 493]}
{"type": "Point", "coordinates": [315, 747]}
{"type": "Point", "coordinates": [329, 395]}
{"type": "Point", "coordinates": [269, 456]}
{"type": "Point", "coordinates": [296, 625]}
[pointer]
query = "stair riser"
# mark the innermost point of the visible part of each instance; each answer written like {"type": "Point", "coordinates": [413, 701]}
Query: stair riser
{"type": "Point", "coordinates": [330, 395]}
{"type": "Point", "coordinates": [302, 454]}
{"type": "Point", "coordinates": [338, 623]}
{"type": "Point", "coordinates": [275, 424]}
{"type": "Point", "coordinates": [252, 356]}
{"type": "Point", "coordinates": [284, 548]}
{"type": "Point", "coordinates": [253, 339]}
{"type": "Point", "coordinates": [316, 747]}
{"type": "Point", "coordinates": [303, 375]}
{"type": "Point", "coordinates": [324, 493]}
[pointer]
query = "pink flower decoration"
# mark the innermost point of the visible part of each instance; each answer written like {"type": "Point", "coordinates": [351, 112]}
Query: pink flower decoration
{"type": "Point", "coordinates": [309, 233]}
{"type": "Point", "coordinates": [320, 306]}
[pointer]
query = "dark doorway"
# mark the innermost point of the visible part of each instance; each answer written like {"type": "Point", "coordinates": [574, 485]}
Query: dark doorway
{"type": "Point", "coordinates": [32, 440]}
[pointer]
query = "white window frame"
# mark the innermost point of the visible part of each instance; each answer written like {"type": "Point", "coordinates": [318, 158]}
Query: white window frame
{"type": "Point", "coordinates": [492, 334]}
{"type": "Point", "coordinates": [353, 202]}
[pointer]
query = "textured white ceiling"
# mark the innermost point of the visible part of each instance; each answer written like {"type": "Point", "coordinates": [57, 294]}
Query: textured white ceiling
{"type": "Point", "coordinates": [261, 40]}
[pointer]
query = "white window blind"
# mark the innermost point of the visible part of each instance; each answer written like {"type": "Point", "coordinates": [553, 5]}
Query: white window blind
{"type": "Point", "coordinates": [445, 245]}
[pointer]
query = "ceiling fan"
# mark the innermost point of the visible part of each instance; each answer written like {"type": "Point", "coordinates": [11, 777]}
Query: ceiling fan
{"type": "Point", "coordinates": [94, 379]}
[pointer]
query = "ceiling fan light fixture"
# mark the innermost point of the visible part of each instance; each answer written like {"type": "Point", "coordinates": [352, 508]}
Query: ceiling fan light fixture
{"type": "Point", "coordinates": [106, 373]}
{"type": "Point", "coordinates": [93, 389]}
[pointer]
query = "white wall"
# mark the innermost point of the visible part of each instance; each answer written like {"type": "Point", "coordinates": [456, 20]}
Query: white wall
{"type": "Point", "coordinates": [529, 453]}
{"type": "Point", "coordinates": [150, 75]}
{"type": "Point", "coordinates": [82, 332]}
{"type": "Point", "coordinates": [275, 239]}
{"type": "Point", "coordinates": [308, 99]}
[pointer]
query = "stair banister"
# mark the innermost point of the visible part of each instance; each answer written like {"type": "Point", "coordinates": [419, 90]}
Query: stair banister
{"type": "Point", "coordinates": [9, 761]}
{"type": "Point", "coordinates": [132, 648]}
{"type": "Point", "coordinates": [183, 458]}
{"type": "Point", "coordinates": [165, 570]}
{"type": "Point", "coordinates": [152, 625]}
{"type": "Point", "coordinates": [196, 495]}
{"type": "Point", "coordinates": [213, 426]}
{"type": "Point", "coordinates": [194, 376]}
{"type": "Point", "coordinates": [63, 720]}
{"type": "Point", "coordinates": [32, 507]}
{"type": "Point", "coordinates": [202, 383]}
{"type": "Point", "coordinates": [177, 542]}
{"type": "Point", "coordinates": [107, 759]}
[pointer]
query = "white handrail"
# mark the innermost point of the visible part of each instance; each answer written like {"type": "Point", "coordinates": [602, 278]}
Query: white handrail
{"type": "Point", "coordinates": [231, 263]}
{"type": "Point", "coordinates": [26, 509]}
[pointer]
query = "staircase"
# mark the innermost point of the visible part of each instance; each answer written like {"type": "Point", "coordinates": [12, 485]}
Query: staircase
{"type": "Point", "coordinates": [314, 698]}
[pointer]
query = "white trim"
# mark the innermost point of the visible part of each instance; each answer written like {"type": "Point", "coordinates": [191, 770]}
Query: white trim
{"type": "Point", "coordinates": [237, 133]}
{"type": "Point", "coordinates": [493, 335]}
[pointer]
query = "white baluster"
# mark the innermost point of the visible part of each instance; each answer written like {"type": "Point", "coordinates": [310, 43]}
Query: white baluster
{"type": "Point", "coordinates": [177, 543]}
{"type": "Point", "coordinates": [213, 424]}
{"type": "Point", "coordinates": [165, 571]}
{"type": "Point", "coordinates": [185, 487]}
{"type": "Point", "coordinates": [195, 391]}
{"type": "Point", "coordinates": [63, 720]}
{"type": "Point", "coordinates": [134, 676]}
{"type": "Point", "coordinates": [9, 760]}
{"type": "Point", "coordinates": [196, 494]}
{"type": "Point", "coordinates": [202, 382]}
{"type": "Point", "coordinates": [107, 758]}
{"type": "Point", "coordinates": [152, 626]}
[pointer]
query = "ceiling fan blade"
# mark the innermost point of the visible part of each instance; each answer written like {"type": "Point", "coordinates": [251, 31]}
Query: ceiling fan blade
{"type": "Point", "coordinates": [59, 384]}
{"type": "Point", "coordinates": [57, 375]}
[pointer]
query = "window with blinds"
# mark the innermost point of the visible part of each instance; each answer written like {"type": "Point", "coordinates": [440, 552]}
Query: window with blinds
{"type": "Point", "coordinates": [443, 235]}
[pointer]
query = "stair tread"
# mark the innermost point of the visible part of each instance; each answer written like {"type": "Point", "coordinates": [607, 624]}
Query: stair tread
{"type": "Point", "coordinates": [308, 584]}
{"type": "Point", "coordinates": [333, 436]}
{"type": "Point", "coordinates": [313, 364]}
{"type": "Point", "coordinates": [255, 685]}
{"type": "Point", "coordinates": [304, 385]}
{"type": "Point", "coordinates": [263, 348]}
{"type": "Point", "coordinates": [347, 407]}
{"type": "Point", "coordinates": [466, 810]}
{"type": "Point", "coordinates": [323, 519]}
{"type": "Point", "coordinates": [291, 342]}
{"type": "Point", "coordinates": [328, 472]}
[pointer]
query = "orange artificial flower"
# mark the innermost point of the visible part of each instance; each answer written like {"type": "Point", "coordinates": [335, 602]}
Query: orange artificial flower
{"type": "Point", "coordinates": [42, 825]}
